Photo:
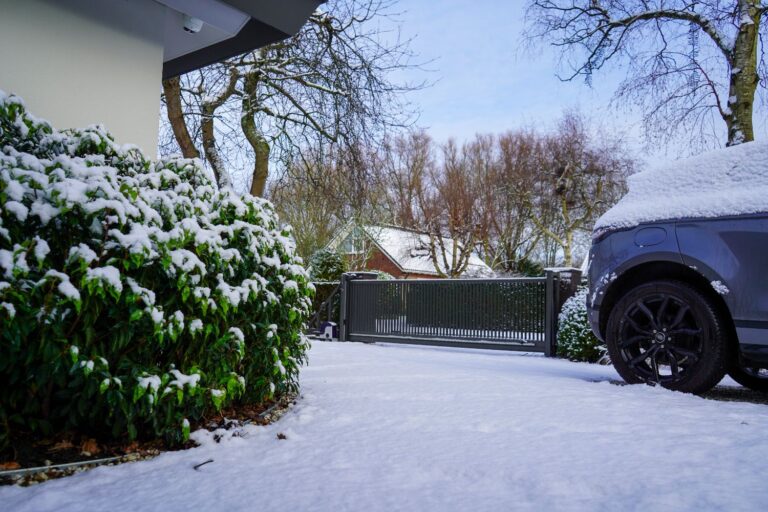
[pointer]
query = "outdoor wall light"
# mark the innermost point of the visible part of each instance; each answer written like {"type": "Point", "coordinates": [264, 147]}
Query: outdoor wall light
{"type": "Point", "coordinates": [192, 25]}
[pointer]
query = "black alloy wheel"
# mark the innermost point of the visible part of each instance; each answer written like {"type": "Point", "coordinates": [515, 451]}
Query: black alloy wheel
{"type": "Point", "coordinates": [667, 333]}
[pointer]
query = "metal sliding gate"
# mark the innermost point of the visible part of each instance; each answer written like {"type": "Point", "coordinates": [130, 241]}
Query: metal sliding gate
{"type": "Point", "coordinates": [506, 314]}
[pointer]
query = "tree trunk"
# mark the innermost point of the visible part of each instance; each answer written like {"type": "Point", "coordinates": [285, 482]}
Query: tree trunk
{"type": "Point", "coordinates": [744, 79]}
{"type": "Point", "coordinates": [260, 166]}
{"type": "Point", "coordinates": [172, 90]}
{"type": "Point", "coordinates": [568, 248]}
{"type": "Point", "coordinates": [209, 147]}
{"type": "Point", "coordinates": [254, 137]}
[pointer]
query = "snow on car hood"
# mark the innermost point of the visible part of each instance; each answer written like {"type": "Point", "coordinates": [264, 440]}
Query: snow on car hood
{"type": "Point", "coordinates": [730, 181]}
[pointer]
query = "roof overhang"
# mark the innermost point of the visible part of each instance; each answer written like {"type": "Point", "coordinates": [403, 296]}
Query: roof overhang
{"type": "Point", "coordinates": [229, 28]}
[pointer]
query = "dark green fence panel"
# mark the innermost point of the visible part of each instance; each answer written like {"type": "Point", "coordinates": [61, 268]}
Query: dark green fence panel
{"type": "Point", "coordinates": [506, 314]}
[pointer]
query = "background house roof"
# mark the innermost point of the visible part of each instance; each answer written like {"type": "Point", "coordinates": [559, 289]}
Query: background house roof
{"type": "Point", "coordinates": [230, 27]}
{"type": "Point", "coordinates": [409, 250]}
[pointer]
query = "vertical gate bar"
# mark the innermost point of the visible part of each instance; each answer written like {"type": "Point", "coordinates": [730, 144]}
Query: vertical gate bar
{"type": "Point", "coordinates": [550, 296]}
{"type": "Point", "coordinates": [544, 323]}
{"type": "Point", "coordinates": [343, 309]}
{"type": "Point", "coordinates": [506, 311]}
{"type": "Point", "coordinates": [408, 309]}
{"type": "Point", "coordinates": [533, 322]}
{"type": "Point", "coordinates": [400, 309]}
{"type": "Point", "coordinates": [487, 324]}
{"type": "Point", "coordinates": [439, 311]}
{"type": "Point", "coordinates": [528, 294]}
{"type": "Point", "coordinates": [403, 311]}
{"type": "Point", "coordinates": [466, 317]}
{"type": "Point", "coordinates": [463, 322]}
{"type": "Point", "coordinates": [482, 310]}
{"type": "Point", "coordinates": [521, 305]}
{"type": "Point", "coordinates": [488, 301]}
{"type": "Point", "coordinates": [429, 319]}
{"type": "Point", "coordinates": [477, 318]}
{"type": "Point", "coordinates": [535, 310]}
{"type": "Point", "coordinates": [476, 307]}
{"type": "Point", "coordinates": [521, 327]}
{"type": "Point", "coordinates": [437, 317]}
{"type": "Point", "coordinates": [523, 317]}
{"type": "Point", "coordinates": [516, 305]}
{"type": "Point", "coordinates": [507, 301]}
{"type": "Point", "coordinates": [470, 305]}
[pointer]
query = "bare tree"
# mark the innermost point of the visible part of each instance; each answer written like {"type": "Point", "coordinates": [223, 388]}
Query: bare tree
{"type": "Point", "coordinates": [689, 61]}
{"type": "Point", "coordinates": [330, 83]}
{"type": "Point", "coordinates": [402, 165]}
{"type": "Point", "coordinates": [323, 191]}
{"type": "Point", "coordinates": [519, 198]}
{"type": "Point", "coordinates": [580, 176]}
{"type": "Point", "coordinates": [510, 237]}
{"type": "Point", "coordinates": [309, 203]}
{"type": "Point", "coordinates": [448, 202]}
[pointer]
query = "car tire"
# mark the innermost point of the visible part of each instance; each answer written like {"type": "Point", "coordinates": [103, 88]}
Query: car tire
{"type": "Point", "coordinates": [755, 379]}
{"type": "Point", "coordinates": [667, 333]}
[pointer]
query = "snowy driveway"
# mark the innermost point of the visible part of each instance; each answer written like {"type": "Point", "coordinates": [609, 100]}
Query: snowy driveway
{"type": "Point", "coordinates": [429, 429]}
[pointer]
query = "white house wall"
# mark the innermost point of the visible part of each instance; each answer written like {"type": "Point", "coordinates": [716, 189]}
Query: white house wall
{"type": "Point", "coordinates": [81, 62]}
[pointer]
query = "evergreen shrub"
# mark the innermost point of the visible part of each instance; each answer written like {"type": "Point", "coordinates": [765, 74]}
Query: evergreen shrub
{"type": "Point", "coordinates": [326, 265]}
{"type": "Point", "coordinates": [135, 297]}
{"type": "Point", "coordinates": [575, 340]}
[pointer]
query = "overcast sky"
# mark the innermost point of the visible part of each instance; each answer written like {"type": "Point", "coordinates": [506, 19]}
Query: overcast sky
{"type": "Point", "coordinates": [486, 83]}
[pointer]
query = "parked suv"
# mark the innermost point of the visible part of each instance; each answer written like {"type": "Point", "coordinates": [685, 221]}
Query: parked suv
{"type": "Point", "coordinates": [679, 273]}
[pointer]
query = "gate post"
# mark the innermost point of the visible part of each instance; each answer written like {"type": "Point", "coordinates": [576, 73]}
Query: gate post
{"type": "Point", "coordinates": [550, 313]}
{"type": "Point", "coordinates": [343, 306]}
{"type": "Point", "coordinates": [562, 283]}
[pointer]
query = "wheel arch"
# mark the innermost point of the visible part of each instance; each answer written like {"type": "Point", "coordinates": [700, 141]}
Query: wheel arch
{"type": "Point", "coordinates": [656, 270]}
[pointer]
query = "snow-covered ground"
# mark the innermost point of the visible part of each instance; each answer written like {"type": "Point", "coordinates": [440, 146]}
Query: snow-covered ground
{"type": "Point", "coordinates": [428, 429]}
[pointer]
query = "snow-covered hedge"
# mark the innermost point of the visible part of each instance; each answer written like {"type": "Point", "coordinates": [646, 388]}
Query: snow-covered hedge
{"type": "Point", "coordinates": [135, 296]}
{"type": "Point", "coordinates": [575, 340]}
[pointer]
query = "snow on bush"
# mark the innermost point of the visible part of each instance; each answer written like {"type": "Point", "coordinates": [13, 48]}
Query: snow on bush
{"type": "Point", "coordinates": [730, 181]}
{"type": "Point", "coordinates": [382, 276]}
{"type": "Point", "coordinates": [326, 265]}
{"type": "Point", "coordinates": [575, 340]}
{"type": "Point", "coordinates": [135, 296]}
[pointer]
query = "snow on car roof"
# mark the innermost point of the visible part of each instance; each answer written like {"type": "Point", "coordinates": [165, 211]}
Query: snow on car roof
{"type": "Point", "coordinates": [730, 181]}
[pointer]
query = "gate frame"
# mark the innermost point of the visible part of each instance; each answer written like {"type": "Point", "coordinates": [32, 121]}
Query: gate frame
{"type": "Point", "coordinates": [346, 277]}
{"type": "Point", "coordinates": [560, 284]}
{"type": "Point", "coordinates": [551, 312]}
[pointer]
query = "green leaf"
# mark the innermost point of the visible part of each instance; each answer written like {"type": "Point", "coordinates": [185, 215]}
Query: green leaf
{"type": "Point", "coordinates": [138, 392]}
{"type": "Point", "coordinates": [217, 399]}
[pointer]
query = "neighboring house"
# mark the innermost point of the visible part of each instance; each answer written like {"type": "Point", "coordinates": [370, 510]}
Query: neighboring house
{"type": "Point", "coordinates": [403, 253]}
{"type": "Point", "coordinates": [82, 62]}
